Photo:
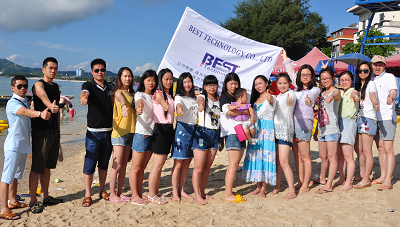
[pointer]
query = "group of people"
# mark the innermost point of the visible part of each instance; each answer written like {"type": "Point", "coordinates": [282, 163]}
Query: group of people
{"type": "Point", "coordinates": [140, 124]}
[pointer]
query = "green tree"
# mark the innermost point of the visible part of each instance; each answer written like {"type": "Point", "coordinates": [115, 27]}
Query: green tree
{"type": "Point", "coordinates": [327, 51]}
{"type": "Point", "coordinates": [370, 51]}
{"type": "Point", "coordinates": [285, 23]}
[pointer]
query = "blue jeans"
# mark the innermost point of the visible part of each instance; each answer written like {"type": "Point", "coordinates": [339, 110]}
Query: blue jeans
{"type": "Point", "coordinates": [232, 143]}
{"type": "Point", "coordinates": [182, 145]}
{"type": "Point", "coordinates": [141, 143]}
{"type": "Point", "coordinates": [98, 151]}
{"type": "Point", "coordinates": [205, 139]}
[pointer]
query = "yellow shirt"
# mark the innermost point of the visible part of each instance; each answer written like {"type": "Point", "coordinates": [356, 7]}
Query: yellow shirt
{"type": "Point", "coordinates": [123, 125]}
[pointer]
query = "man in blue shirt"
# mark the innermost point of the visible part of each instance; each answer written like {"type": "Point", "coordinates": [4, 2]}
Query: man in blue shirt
{"type": "Point", "coordinates": [16, 145]}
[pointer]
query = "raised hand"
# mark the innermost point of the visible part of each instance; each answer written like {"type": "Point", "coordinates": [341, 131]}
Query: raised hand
{"type": "Point", "coordinates": [124, 111]}
{"type": "Point", "coordinates": [201, 105]}
{"type": "Point", "coordinates": [324, 65]}
{"type": "Point", "coordinates": [139, 109]}
{"type": "Point", "coordinates": [45, 114]}
{"type": "Point", "coordinates": [179, 110]}
{"type": "Point", "coordinates": [54, 107]}
{"type": "Point", "coordinates": [328, 99]}
{"type": "Point", "coordinates": [389, 100]}
{"type": "Point", "coordinates": [376, 106]}
{"type": "Point", "coordinates": [84, 99]}
{"type": "Point", "coordinates": [269, 96]}
{"type": "Point", "coordinates": [356, 98]}
{"type": "Point", "coordinates": [289, 100]}
{"type": "Point", "coordinates": [307, 101]}
{"type": "Point", "coordinates": [284, 54]}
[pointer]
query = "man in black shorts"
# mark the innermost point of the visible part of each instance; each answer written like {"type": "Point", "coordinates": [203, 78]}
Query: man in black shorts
{"type": "Point", "coordinates": [97, 93]}
{"type": "Point", "coordinates": [45, 135]}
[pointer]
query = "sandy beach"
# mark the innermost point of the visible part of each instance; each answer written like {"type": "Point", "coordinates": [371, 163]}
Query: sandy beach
{"type": "Point", "coordinates": [366, 207]}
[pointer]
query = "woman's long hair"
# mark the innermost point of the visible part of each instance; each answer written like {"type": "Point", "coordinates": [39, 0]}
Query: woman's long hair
{"type": "Point", "coordinates": [161, 85]}
{"type": "Point", "coordinates": [210, 79]}
{"type": "Point", "coordinates": [230, 76]}
{"type": "Point", "coordinates": [313, 82]}
{"type": "Point", "coordinates": [145, 75]}
{"type": "Point", "coordinates": [358, 86]}
{"type": "Point", "coordinates": [254, 93]}
{"type": "Point", "coordinates": [118, 82]}
{"type": "Point", "coordinates": [180, 89]}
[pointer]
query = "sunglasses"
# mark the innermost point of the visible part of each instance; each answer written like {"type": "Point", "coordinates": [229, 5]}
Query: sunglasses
{"type": "Point", "coordinates": [19, 86]}
{"type": "Point", "coordinates": [363, 70]}
{"type": "Point", "coordinates": [98, 70]}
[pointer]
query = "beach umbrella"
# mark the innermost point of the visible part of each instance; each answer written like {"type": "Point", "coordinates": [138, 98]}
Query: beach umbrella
{"type": "Point", "coordinates": [352, 58]}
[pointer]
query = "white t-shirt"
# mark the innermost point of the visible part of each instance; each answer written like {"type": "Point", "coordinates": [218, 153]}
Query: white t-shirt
{"type": "Point", "coordinates": [144, 122]}
{"type": "Point", "coordinates": [366, 106]}
{"type": "Point", "coordinates": [283, 118]}
{"type": "Point", "coordinates": [213, 113]}
{"type": "Point", "coordinates": [384, 83]}
{"type": "Point", "coordinates": [189, 107]}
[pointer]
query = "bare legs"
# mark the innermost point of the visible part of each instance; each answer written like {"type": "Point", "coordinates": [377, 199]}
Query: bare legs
{"type": "Point", "coordinates": [202, 165]}
{"type": "Point", "coordinates": [155, 174]}
{"type": "Point", "coordinates": [8, 190]}
{"type": "Point", "coordinates": [328, 153]}
{"type": "Point", "coordinates": [117, 173]}
{"type": "Point", "coordinates": [44, 182]}
{"type": "Point", "coordinates": [234, 157]}
{"type": "Point", "coordinates": [283, 151]}
{"type": "Point", "coordinates": [386, 161]}
{"type": "Point", "coordinates": [139, 163]}
{"type": "Point", "coordinates": [260, 190]}
{"type": "Point", "coordinates": [364, 147]}
{"type": "Point", "coordinates": [178, 177]}
{"type": "Point", "coordinates": [346, 161]}
{"type": "Point", "coordinates": [301, 151]}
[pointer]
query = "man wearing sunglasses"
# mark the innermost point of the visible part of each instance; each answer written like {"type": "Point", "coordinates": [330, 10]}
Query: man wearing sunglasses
{"type": "Point", "coordinates": [386, 121]}
{"type": "Point", "coordinates": [16, 145]}
{"type": "Point", "coordinates": [97, 93]}
{"type": "Point", "coordinates": [45, 135]}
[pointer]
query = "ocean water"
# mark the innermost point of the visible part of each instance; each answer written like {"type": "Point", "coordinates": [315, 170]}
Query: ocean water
{"type": "Point", "coordinates": [69, 126]}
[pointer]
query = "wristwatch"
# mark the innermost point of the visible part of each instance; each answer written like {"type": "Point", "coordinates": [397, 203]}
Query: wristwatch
{"type": "Point", "coordinates": [40, 113]}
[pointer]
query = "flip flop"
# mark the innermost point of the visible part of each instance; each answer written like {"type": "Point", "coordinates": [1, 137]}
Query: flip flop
{"type": "Point", "coordinates": [17, 205]}
{"type": "Point", "coordinates": [9, 215]}
{"type": "Point", "coordinates": [384, 187]}
{"type": "Point", "coordinates": [376, 182]}
{"type": "Point", "coordinates": [140, 202]}
{"type": "Point", "coordinates": [126, 198]}
{"type": "Point", "coordinates": [119, 201]}
{"type": "Point", "coordinates": [322, 191]}
{"type": "Point", "coordinates": [361, 186]}
{"type": "Point", "coordinates": [238, 199]}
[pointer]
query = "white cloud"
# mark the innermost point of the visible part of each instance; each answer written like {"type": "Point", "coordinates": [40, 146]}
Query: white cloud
{"type": "Point", "coordinates": [150, 3]}
{"type": "Point", "coordinates": [16, 58]}
{"type": "Point", "coordinates": [85, 65]}
{"type": "Point", "coordinates": [57, 46]}
{"type": "Point", "coordinates": [141, 69]}
{"type": "Point", "coordinates": [39, 15]}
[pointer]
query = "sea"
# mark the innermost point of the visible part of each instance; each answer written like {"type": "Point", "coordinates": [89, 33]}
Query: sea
{"type": "Point", "coordinates": [71, 128]}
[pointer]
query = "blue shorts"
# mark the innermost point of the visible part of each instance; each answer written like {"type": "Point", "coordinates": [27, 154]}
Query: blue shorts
{"type": "Point", "coordinates": [232, 143]}
{"type": "Point", "coordinates": [348, 131]}
{"type": "Point", "coordinates": [386, 130]}
{"type": "Point", "coordinates": [283, 142]}
{"type": "Point", "coordinates": [366, 125]}
{"type": "Point", "coordinates": [304, 135]}
{"type": "Point", "coordinates": [329, 138]}
{"type": "Point", "coordinates": [141, 143]}
{"type": "Point", "coordinates": [122, 140]}
{"type": "Point", "coordinates": [14, 165]}
{"type": "Point", "coordinates": [204, 139]}
{"type": "Point", "coordinates": [98, 151]}
{"type": "Point", "coordinates": [182, 145]}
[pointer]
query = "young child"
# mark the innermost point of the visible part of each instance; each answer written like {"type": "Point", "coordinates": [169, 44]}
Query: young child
{"type": "Point", "coordinates": [186, 121]}
{"type": "Point", "coordinates": [246, 120]}
{"type": "Point", "coordinates": [72, 111]}
{"type": "Point", "coordinates": [124, 121]}
{"type": "Point", "coordinates": [260, 160]}
{"type": "Point", "coordinates": [141, 145]}
{"type": "Point", "coordinates": [284, 132]}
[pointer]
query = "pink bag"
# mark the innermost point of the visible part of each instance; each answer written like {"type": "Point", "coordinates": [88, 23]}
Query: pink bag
{"type": "Point", "coordinates": [240, 132]}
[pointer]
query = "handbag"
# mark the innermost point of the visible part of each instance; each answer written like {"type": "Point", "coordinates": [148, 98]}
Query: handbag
{"type": "Point", "coordinates": [240, 132]}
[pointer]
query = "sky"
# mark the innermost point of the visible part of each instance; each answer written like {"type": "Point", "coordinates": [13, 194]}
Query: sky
{"type": "Point", "coordinates": [132, 33]}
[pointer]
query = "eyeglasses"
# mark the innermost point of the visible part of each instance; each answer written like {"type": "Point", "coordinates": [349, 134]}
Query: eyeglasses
{"type": "Point", "coordinates": [345, 80]}
{"type": "Point", "coordinates": [363, 70]}
{"type": "Point", "coordinates": [212, 85]}
{"type": "Point", "coordinates": [305, 75]}
{"type": "Point", "coordinates": [98, 70]}
{"type": "Point", "coordinates": [19, 86]}
{"type": "Point", "coordinates": [326, 79]}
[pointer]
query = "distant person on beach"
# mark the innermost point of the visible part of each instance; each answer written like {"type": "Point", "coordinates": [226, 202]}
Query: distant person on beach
{"type": "Point", "coordinates": [387, 92]}
{"type": "Point", "coordinates": [71, 110]}
{"type": "Point", "coordinates": [16, 145]}
{"type": "Point", "coordinates": [45, 135]}
{"type": "Point", "coordinates": [97, 93]}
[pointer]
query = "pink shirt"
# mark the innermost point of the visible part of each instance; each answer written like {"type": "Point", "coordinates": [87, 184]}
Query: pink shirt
{"type": "Point", "coordinates": [159, 116]}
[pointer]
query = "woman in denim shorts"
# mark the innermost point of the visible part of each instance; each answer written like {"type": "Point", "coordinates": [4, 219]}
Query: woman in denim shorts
{"type": "Point", "coordinates": [366, 122]}
{"type": "Point", "coordinates": [206, 137]}
{"type": "Point", "coordinates": [141, 146]}
{"type": "Point", "coordinates": [186, 120]}
{"type": "Point", "coordinates": [348, 109]}
{"type": "Point", "coordinates": [124, 120]}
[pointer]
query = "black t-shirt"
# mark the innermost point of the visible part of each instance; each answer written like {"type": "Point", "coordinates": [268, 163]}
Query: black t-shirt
{"type": "Point", "coordinates": [100, 109]}
{"type": "Point", "coordinates": [226, 98]}
{"type": "Point", "coordinates": [53, 93]}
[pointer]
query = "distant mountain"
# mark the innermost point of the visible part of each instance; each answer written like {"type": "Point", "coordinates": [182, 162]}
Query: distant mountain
{"type": "Point", "coordinates": [7, 66]}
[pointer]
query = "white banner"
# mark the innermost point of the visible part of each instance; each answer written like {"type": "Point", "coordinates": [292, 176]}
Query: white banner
{"type": "Point", "coordinates": [203, 48]}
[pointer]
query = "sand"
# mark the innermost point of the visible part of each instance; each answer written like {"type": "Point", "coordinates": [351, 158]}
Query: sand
{"type": "Point", "coordinates": [366, 207]}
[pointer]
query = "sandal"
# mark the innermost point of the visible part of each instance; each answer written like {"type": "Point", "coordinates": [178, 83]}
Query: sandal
{"type": "Point", "coordinates": [17, 205]}
{"type": "Point", "coordinates": [163, 197]}
{"type": "Point", "coordinates": [51, 201]}
{"type": "Point", "coordinates": [9, 215]}
{"type": "Point", "coordinates": [359, 185]}
{"type": "Point", "coordinates": [88, 201]}
{"type": "Point", "coordinates": [156, 198]}
{"type": "Point", "coordinates": [36, 207]}
{"type": "Point", "coordinates": [104, 195]}
{"type": "Point", "coordinates": [384, 187]}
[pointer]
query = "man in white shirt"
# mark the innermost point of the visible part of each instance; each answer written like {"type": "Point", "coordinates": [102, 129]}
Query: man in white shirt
{"type": "Point", "coordinates": [386, 121]}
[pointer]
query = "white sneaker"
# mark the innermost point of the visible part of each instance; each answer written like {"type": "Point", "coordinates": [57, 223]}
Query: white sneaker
{"type": "Point", "coordinates": [253, 141]}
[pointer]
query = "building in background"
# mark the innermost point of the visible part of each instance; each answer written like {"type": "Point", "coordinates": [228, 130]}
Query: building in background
{"type": "Point", "coordinates": [341, 37]}
{"type": "Point", "coordinates": [387, 22]}
{"type": "Point", "coordinates": [80, 72]}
